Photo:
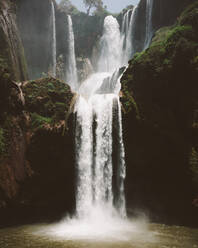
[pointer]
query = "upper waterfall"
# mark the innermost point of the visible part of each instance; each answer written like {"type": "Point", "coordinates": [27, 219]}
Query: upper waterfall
{"type": "Point", "coordinates": [53, 41]}
{"type": "Point", "coordinates": [71, 69]}
{"type": "Point", "coordinates": [128, 24]}
{"type": "Point", "coordinates": [110, 46]}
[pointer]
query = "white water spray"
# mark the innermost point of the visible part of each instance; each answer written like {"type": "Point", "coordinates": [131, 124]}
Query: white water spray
{"type": "Point", "coordinates": [71, 70]}
{"type": "Point", "coordinates": [53, 40]}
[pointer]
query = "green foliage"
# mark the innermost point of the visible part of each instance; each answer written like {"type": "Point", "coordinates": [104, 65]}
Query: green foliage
{"type": "Point", "coordinates": [67, 7]}
{"type": "Point", "coordinates": [97, 4]}
{"type": "Point", "coordinates": [39, 121]}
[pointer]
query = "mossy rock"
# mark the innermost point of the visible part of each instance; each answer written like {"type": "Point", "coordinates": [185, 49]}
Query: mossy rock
{"type": "Point", "coordinates": [48, 100]}
{"type": "Point", "coordinates": [190, 16]}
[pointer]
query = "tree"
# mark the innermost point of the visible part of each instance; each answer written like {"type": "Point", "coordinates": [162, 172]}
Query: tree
{"type": "Point", "coordinates": [67, 7]}
{"type": "Point", "coordinates": [98, 4]}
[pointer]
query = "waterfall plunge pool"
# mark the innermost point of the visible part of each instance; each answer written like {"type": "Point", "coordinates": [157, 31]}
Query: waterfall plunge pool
{"type": "Point", "coordinates": [73, 234]}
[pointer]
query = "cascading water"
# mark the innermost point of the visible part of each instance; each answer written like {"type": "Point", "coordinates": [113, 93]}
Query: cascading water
{"type": "Point", "coordinates": [100, 154]}
{"type": "Point", "coordinates": [100, 196]}
{"type": "Point", "coordinates": [53, 40]}
{"type": "Point", "coordinates": [149, 25]}
{"type": "Point", "coordinates": [98, 97]}
{"type": "Point", "coordinates": [71, 70]}
{"type": "Point", "coordinates": [111, 46]}
{"type": "Point", "coordinates": [128, 24]}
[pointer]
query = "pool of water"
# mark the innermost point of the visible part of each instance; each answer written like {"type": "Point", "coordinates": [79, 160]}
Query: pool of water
{"type": "Point", "coordinates": [136, 235]}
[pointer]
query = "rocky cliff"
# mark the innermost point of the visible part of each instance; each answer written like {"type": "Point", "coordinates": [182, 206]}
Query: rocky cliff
{"type": "Point", "coordinates": [36, 151]}
{"type": "Point", "coordinates": [160, 127]}
{"type": "Point", "coordinates": [11, 49]}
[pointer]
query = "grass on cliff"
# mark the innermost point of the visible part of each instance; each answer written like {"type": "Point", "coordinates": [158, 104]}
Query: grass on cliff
{"type": "Point", "coordinates": [39, 122]}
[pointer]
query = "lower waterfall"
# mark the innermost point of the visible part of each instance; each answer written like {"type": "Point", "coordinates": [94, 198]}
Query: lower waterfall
{"type": "Point", "coordinates": [100, 176]}
{"type": "Point", "coordinates": [94, 143]}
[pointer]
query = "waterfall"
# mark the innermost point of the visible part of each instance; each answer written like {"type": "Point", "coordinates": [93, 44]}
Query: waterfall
{"type": "Point", "coordinates": [110, 46]}
{"type": "Point", "coordinates": [128, 33]}
{"type": "Point", "coordinates": [53, 40]}
{"type": "Point", "coordinates": [149, 25]}
{"type": "Point", "coordinates": [128, 24]}
{"type": "Point", "coordinates": [98, 112]}
{"type": "Point", "coordinates": [71, 70]}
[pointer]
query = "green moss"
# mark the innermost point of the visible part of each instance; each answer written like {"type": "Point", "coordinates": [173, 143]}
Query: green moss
{"type": "Point", "coordinates": [177, 33]}
{"type": "Point", "coordinates": [161, 35]}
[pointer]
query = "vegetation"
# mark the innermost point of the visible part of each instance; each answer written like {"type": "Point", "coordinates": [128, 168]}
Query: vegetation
{"type": "Point", "coordinates": [40, 121]}
{"type": "Point", "coordinates": [48, 101]}
{"type": "Point", "coordinates": [67, 7]}
{"type": "Point", "coordinates": [97, 4]}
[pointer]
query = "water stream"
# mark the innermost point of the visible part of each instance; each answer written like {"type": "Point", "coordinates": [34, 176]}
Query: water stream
{"type": "Point", "coordinates": [149, 25]}
{"type": "Point", "coordinates": [53, 40]}
{"type": "Point", "coordinates": [71, 70]}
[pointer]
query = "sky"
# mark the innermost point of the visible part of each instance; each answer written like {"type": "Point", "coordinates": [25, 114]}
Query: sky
{"type": "Point", "coordinates": [114, 6]}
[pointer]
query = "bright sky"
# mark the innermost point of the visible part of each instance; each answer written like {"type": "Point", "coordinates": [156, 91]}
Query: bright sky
{"type": "Point", "coordinates": [114, 6]}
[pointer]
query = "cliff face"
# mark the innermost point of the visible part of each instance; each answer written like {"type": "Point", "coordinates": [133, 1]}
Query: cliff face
{"type": "Point", "coordinates": [166, 12]}
{"type": "Point", "coordinates": [11, 49]}
{"type": "Point", "coordinates": [160, 96]}
{"type": "Point", "coordinates": [34, 18]}
{"type": "Point", "coordinates": [36, 152]}
{"type": "Point", "coordinates": [13, 167]}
